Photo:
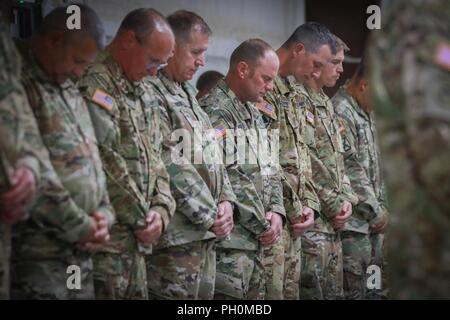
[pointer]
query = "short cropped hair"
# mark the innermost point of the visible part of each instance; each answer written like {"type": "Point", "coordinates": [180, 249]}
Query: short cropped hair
{"type": "Point", "coordinates": [91, 25]}
{"type": "Point", "coordinates": [183, 23]}
{"type": "Point", "coordinates": [208, 80]}
{"type": "Point", "coordinates": [340, 44]}
{"type": "Point", "coordinates": [313, 35]}
{"type": "Point", "coordinates": [250, 51]}
{"type": "Point", "coordinates": [361, 71]}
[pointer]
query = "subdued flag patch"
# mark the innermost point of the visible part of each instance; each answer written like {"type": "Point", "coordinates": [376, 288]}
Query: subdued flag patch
{"type": "Point", "coordinates": [341, 128]}
{"type": "Point", "coordinates": [220, 131]}
{"type": "Point", "coordinates": [265, 107]}
{"type": "Point", "coordinates": [310, 117]}
{"type": "Point", "coordinates": [442, 55]}
{"type": "Point", "coordinates": [103, 99]}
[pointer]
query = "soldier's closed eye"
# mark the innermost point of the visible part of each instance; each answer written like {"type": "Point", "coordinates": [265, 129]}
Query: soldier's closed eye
{"type": "Point", "coordinates": [318, 64]}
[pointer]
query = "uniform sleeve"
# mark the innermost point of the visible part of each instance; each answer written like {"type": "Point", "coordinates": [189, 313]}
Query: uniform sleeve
{"type": "Point", "coordinates": [54, 205]}
{"type": "Point", "coordinates": [276, 198]}
{"type": "Point", "coordinates": [330, 199]}
{"type": "Point", "coordinates": [227, 192]}
{"type": "Point", "coordinates": [162, 201]}
{"type": "Point", "coordinates": [192, 195]}
{"type": "Point", "coordinates": [360, 182]}
{"type": "Point", "coordinates": [129, 203]}
{"type": "Point", "coordinates": [292, 206]}
{"type": "Point", "coordinates": [21, 140]}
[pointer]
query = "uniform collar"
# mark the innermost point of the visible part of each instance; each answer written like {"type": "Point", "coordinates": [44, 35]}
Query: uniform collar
{"type": "Point", "coordinates": [174, 88]}
{"type": "Point", "coordinates": [34, 69]}
{"type": "Point", "coordinates": [352, 102]}
{"type": "Point", "coordinates": [126, 86]}
{"type": "Point", "coordinates": [243, 108]}
{"type": "Point", "coordinates": [281, 85]}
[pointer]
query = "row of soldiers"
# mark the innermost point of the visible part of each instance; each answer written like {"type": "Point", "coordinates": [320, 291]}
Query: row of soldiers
{"type": "Point", "coordinates": [102, 146]}
{"type": "Point", "coordinates": [92, 177]}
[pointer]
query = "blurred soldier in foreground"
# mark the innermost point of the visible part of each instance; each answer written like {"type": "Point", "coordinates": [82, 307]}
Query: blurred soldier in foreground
{"type": "Point", "coordinates": [72, 209]}
{"type": "Point", "coordinates": [409, 69]}
{"type": "Point", "coordinates": [127, 125]}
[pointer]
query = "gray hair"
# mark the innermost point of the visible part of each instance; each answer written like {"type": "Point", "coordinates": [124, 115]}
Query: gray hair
{"type": "Point", "coordinates": [312, 35]}
{"type": "Point", "coordinates": [184, 22]}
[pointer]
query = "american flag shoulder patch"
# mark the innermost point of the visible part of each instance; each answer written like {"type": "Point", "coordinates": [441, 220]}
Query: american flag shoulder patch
{"type": "Point", "coordinates": [103, 99]}
{"type": "Point", "coordinates": [220, 131]}
{"type": "Point", "coordinates": [442, 55]}
{"type": "Point", "coordinates": [265, 107]}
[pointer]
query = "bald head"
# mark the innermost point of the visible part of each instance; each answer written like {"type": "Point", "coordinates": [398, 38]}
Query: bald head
{"type": "Point", "coordinates": [253, 68]}
{"type": "Point", "coordinates": [251, 51]}
{"type": "Point", "coordinates": [143, 22]}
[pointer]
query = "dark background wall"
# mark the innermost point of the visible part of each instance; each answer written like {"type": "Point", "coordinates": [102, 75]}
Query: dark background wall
{"type": "Point", "coordinates": [347, 19]}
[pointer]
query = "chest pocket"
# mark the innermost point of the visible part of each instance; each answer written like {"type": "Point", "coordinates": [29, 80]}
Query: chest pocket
{"type": "Point", "coordinates": [130, 115]}
{"type": "Point", "coordinates": [59, 129]}
{"type": "Point", "coordinates": [326, 131]}
{"type": "Point", "coordinates": [293, 119]}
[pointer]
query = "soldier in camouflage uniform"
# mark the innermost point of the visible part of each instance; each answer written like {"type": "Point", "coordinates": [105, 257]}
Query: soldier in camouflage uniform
{"type": "Point", "coordinates": [21, 151]}
{"type": "Point", "coordinates": [362, 165]}
{"type": "Point", "coordinates": [72, 208]}
{"type": "Point", "coordinates": [322, 248]}
{"type": "Point", "coordinates": [127, 125]}
{"type": "Point", "coordinates": [183, 265]}
{"type": "Point", "coordinates": [296, 131]}
{"type": "Point", "coordinates": [255, 179]}
{"type": "Point", "coordinates": [409, 70]}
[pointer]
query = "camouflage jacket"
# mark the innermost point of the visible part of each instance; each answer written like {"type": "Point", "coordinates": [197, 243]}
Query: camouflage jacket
{"type": "Point", "coordinates": [362, 161]}
{"type": "Point", "coordinates": [256, 184]}
{"type": "Point", "coordinates": [409, 77]}
{"type": "Point", "coordinates": [74, 185]}
{"type": "Point", "coordinates": [127, 125]}
{"type": "Point", "coordinates": [197, 183]}
{"type": "Point", "coordinates": [289, 116]}
{"type": "Point", "coordinates": [20, 142]}
{"type": "Point", "coordinates": [331, 182]}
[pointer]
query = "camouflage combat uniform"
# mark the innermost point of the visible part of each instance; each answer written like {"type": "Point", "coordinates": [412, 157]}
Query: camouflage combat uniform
{"type": "Point", "coordinates": [73, 187]}
{"type": "Point", "coordinates": [362, 166]}
{"type": "Point", "coordinates": [322, 275]}
{"type": "Point", "coordinates": [183, 264]}
{"type": "Point", "coordinates": [287, 113]}
{"type": "Point", "coordinates": [257, 186]}
{"type": "Point", "coordinates": [20, 142]}
{"type": "Point", "coordinates": [409, 69]}
{"type": "Point", "coordinates": [127, 125]}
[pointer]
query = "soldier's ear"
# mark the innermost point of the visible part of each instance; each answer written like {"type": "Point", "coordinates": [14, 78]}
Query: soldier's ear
{"type": "Point", "coordinates": [298, 49]}
{"type": "Point", "coordinates": [242, 69]}
{"type": "Point", "coordinates": [363, 84]}
{"type": "Point", "coordinates": [129, 39]}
